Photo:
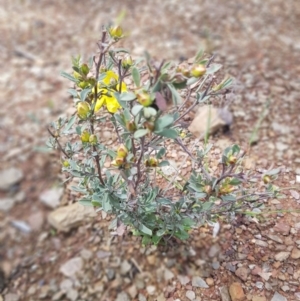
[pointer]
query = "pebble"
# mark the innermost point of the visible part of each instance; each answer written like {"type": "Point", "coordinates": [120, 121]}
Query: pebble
{"type": "Point", "coordinates": [215, 265]}
{"type": "Point", "coordinates": [199, 282]}
{"type": "Point", "coordinates": [190, 295]}
{"type": "Point", "coordinates": [51, 197]}
{"type": "Point", "coordinates": [281, 256]}
{"type": "Point", "coordinates": [103, 254]}
{"type": "Point", "coordinates": [9, 177]}
{"type": "Point", "coordinates": [151, 289]}
{"type": "Point", "coordinates": [275, 238]}
{"type": "Point", "coordinates": [295, 253]}
{"type": "Point", "coordinates": [142, 297]}
{"type": "Point", "coordinates": [71, 267]}
{"type": "Point", "coordinates": [236, 292]}
{"type": "Point", "coordinates": [86, 254]}
{"type": "Point", "coordinates": [214, 250]}
{"type": "Point", "coordinates": [36, 220]}
{"type": "Point", "coordinates": [125, 267]}
{"type": "Point", "coordinates": [132, 291]}
{"type": "Point", "coordinates": [22, 226]}
{"type": "Point", "coordinates": [66, 284]}
{"type": "Point", "coordinates": [282, 228]}
{"type": "Point", "coordinates": [168, 275]}
{"type": "Point", "coordinates": [242, 273]}
{"type": "Point", "coordinates": [12, 297]}
{"type": "Point", "coordinates": [259, 298]}
{"type": "Point", "coordinates": [261, 243]}
{"type": "Point", "coordinates": [297, 295]}
{"type": "Point", "coordinates": [183, 279]}
{"type": "Point", "coordinates": [6, 204]}
{"type": "Point", "coordinates": [210, 281]}
{"type": "Point", "coordinates": [72, 294]}
{"type": "Point", "coordinates": [278, 297]}
{"type": "Point", "coordinates": [224, 293]}
{"type": "Point", "coordinates": [122, 296]}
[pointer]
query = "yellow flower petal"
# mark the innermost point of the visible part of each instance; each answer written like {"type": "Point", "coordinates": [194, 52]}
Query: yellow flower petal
{"type": "Point", "coordinates": [99, 103]}
{"type": "Point", "coordinates": [112, 104]}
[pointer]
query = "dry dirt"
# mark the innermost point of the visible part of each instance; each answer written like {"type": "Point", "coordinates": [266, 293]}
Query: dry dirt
{"type": "Point", "coordinates": [259, 44]}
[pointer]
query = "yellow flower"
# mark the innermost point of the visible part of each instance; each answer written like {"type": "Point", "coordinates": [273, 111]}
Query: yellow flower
{"type": "Point", "coordinates": [107, 97]}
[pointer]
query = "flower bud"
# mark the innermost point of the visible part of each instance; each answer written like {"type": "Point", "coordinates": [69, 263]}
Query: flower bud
{"type": "Point", "coordinates": [76, 75]}
{"type": "Point", "coordinates": [144, 99]}
{"type": "Point", "coordinates": [197, 70]}
{"type": "Point", "coordinates": [149, 125]}
{"type": "Point", "coordinates": [118, 162]}
{"type": "Point", "coordinates": [83, 84]}
{"type": "Point", "coordinates": [83, 109]}
{"type": "Point", "coordinates": [93, 139]}
{"type": "Point", "coordinates": [122, 151]}
{"type": "Point", "coordinates": [85, 136]}
{"type": "Point", "coordinates": [127, 62]}
{"type": "Point", "coordinates": [266, 179]}
{"type": "Point", "coordinates": [151, 162]}
{"type": "Point", "coordinates": [116, 32]}
{"type": "Point", "coordinates": [85, 69]}
{"type": "Point", "coordinates": [207, 189]}
{"type": "Point", "coordinates": [66, 163]}
{"type": "Point", "coordinates": [232, 159]}
{"type": "Point", "coordinates": [131, 126]}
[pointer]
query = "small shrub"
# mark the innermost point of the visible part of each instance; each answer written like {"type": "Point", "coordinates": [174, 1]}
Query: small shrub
{"type": "Point", "coordinates": [144, 115]}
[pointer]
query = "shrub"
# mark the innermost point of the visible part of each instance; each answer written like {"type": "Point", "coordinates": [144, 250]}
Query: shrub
{"type": "Point", "coordinates": [145, 114]}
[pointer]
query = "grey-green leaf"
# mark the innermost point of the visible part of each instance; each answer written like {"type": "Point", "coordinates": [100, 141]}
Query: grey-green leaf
{"type": "Point", "coordinates": [140, 133]}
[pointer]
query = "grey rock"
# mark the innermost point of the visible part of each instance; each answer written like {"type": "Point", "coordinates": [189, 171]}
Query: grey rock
{"type": "Point", "coordinates": [168, 275]}
{"type": "Point", "coordinates": [9, 177]}
{"type": "Point", "coordinates": [125, 267]}
{"type": "Point", "coordinates": [110, 273]}
{"type": "Point", "coordinates": [281, 256]}
{"type": "Point", "coordinates": [141, 297]}
{"type": "Point", "coordinates": [183, 279]}
{"type": "Point", "coordinates": [36, 220]}
{"type": "Point", "coordinates": [58, 296]}
{"type": "Point", "coordinates": [297, 295]}
{"type": "Point", "coordinates": [224, 293]}
{"type": "Point", "coordinates": [242, 273]}
{"type": "Point", "coordinates": [199, 282]}
{"type": "Point", "coordinates": [214, 250]}
{"type": "Point", "coordinates": [285, 288]}
{"type": "Point", "coordinates": [190, 295]}
{"type": "Point", "coordinates": [261, 243]}
{"type": "Point", "coordinates": [66, 284]}
{"type": "Point", "coordinates": [71, 267]}
{"type": "Point", "coordinates": [11, 297]}
{"type": "Point", "coordinates": [51, 197]}
{"type": "Point", "coordinates": [215, 265]}
{"type": "Point", "coordinates": [6, 204]}
{"type": "Point", "coordinates": [275, 238]}
{"type": "Point", "coordinates": [72, 294]}
{"type": "Point", "coordinates": [295, 253]}
{"type": "Point", "coordinates": [22, 226]}
{"type": "Point", "coordinates": [86, 254]}
{"type": "Point", "coordinates": [151, 289]}
{"type": "Point", "coordinates": [281, 146]}
{"type": "Point", "coordinates": [103, 254]}
{"type": "Point", "coordinates": [20, 197]}
{"type": "Point", "coordinates": [71, 216]}
{"type": "Point", "coordinates": [278, 297]}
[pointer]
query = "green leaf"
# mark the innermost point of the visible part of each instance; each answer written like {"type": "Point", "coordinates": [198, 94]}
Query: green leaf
{"type": "Point", "coordinates": [175, 95]}
{"type": "Point", "coordinates": [69, 77]}
{"type": "Point", "coordinates": [163, 163]}
{"type": "Point", "coordinates": [160, 232]}
{"type": "Point", "coordinates": [106, 203]}
{"type": "Point", "coordinates": [169, 133]}
{"type": "Point", "coordinates": [163, 122]}
{"type": "Point", "coordinates": [140, 133]}
{"type": "Point", "coordinates": [136, 76]}
{"type": "Point", "coordinates": [161, 153]}
{"type": "Point", "coordinates": [85, 202]}
{"type": "Point", "coordinates": [127, 96]}
{"type": "Point", "coordinates": [180, 86]}
{"type": "Point", "coordinates": [149, 112]}
{"type": "Point", "coordinates": [213, 68]}
{"type": "Point", "coordinates": [136, 109]}
{"type": "Point", "coordinates": [70, 123]}
{"type": "Point", "coordinates": [199, 56]}
{"type": "Point", "coordinates": [181, 234]}
{"type": "Point", "coordinates": [235, 181]}
{"type": "Point", "coordinates": [191, 81]}
{"type": "Point", "coordinates": [145, 230]}
{"type": "Point", "coordinates": [228, 198]}
{"type": "Point", "coordinates": [73, 92]}
{"type": "Point", "coordinates": [84, 93]}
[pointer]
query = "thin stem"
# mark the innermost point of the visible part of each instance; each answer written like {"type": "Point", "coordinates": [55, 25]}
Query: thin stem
{"type": "Point", "coordinates": [58, 143]}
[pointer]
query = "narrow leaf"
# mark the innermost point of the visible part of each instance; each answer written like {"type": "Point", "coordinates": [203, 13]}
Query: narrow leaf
{"type": "Point", "coordinates": [136, 76]}
{"type": "Point", "coordinates": [69, 77]}
{"type": "Point", "coordinates": [140, 133]}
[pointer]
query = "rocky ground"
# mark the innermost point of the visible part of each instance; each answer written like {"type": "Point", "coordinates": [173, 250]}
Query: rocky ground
{"type": "Point", "coordinates": [258, 43]}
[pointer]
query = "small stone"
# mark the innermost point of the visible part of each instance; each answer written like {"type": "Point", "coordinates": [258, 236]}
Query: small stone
{"type": "Point", "coordinates": [285, 288]}
{"type": "Point", "coordinates": [278, 297]}
{"type": "Point", "coordinates": [72, 294]}
{"type": "Point", "coordinates": [132, 291]}
{"type": "Point", "coordinates": [103, 254]}
{"type": "Point", "coordinates": [190, 295]}
{"type": "Point", "coordinates": [22, 226]}
{"type": "Point", "coordinates": [215, 265]}
{"type": "Point", "coordinates": [123, 296]}
{"type": "Point", "coordinates": [210, 281]}
{"type": "Point", "coordinates": [282, 228]}
{"type": "Point", "coordinates": [168, 275]}
{"type": "Point", "coordinates": [36, 220]}
{"type": "Point", "coordinates": [58, 296]}
{"type": "Point", "coordinates": [242, 273]}
{"type": "Point", "coordinates": [20, 197]}
{"type": "Point", "coordinates": [261, 243]}
{"type": "Point", "coordinates": [281, 256]}
{"type": "Point", "coordinates": [110, 273]}
{"type": "Point", "coordinates": [141, 297]}
{"type": "Point", "coordinates": [161, 297]}
{"type": "Point", "coordinates": [71, 216]}
{"type": "Point", "coordinates": [71, 267]}
{"type": "Point", "coordinates": [151, 289]}
{"type": "Point", "coordinates": [214, 250]}
{"type": "Point", "coordinates": [295, 253]}
{"type": "Point", "coordinates": [183, 279]}
{"type": "Point", "coordinates": [199, 282]}
{"type": "Point", "coordinates": [66, 284]}
{"type": "Point", "coordinates": [224, 294]}
{"type": "Point", "coordinates": [44, 292]}
{"type": "Point", "coordinates": [125, 267]}
{"type": "Point", "coordinates": [6, 204]}
{"type": "Point", "coordinates": [151, 259]}
{"type": "Point", "coordinates": [11, 297]}
{"type": "Point", "coordinates": [86, 254]}
{"type": "Point", "coordinates": [259, 298]}
{"type": "Point", "coordinates": [51, 197]}
{"type": "Point", "coordinates": [236, 292]}
{"type": "Point", "coordinates": [10, 177]}
{"type": "Point", "coordinates": [275, 238]}
{"type": "Point", "coordinates": [297, 295]}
